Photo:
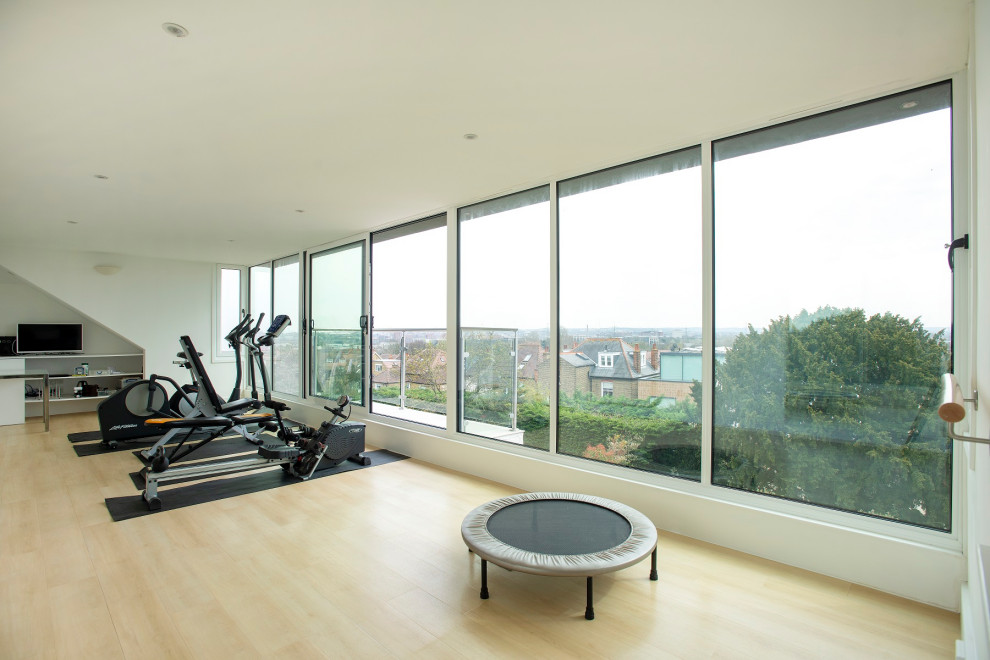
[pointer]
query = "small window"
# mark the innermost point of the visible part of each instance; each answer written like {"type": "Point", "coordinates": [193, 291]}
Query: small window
{"type": "Point", "coordinates": [607, 389]}
{"type": "Point", "coordinates": [228, 309]}
{"type": "Point", "coordinates": [606, 359]}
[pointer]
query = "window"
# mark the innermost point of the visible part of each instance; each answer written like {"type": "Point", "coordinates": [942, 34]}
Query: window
{"type": "Point", "coordinates": [504, 285]}
{"type": "Point", "coordinates": [647, 217]}
{"type": "Point", "coordinates": [409, 321]}
{"type": "Point", "coordinates": [260, 303]}
{"type": "Point", "coordinates": [833, 298]}
{"type": "Point", "coordinates": [287, 348]}
{"type": "Point", "coordinates": [337, 351]}
{"type": "Point", "coordinates": [229, 309]}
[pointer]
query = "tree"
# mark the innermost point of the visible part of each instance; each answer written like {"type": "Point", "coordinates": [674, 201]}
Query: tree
{"type": "Point", "coordinates": [837, 410]}
{"type": "Point", "coordinates": [426, 365]}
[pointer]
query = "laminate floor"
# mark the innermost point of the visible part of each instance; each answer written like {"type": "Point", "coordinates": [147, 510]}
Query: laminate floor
{"type": "Point", "coordinates": [370, 564]}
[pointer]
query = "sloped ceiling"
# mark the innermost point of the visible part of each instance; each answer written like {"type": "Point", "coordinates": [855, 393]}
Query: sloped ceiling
{"type": "Point", "coordinates": [354, 112]}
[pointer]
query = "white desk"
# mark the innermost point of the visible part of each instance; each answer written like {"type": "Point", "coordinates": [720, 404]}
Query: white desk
{"type": "Point", "coordinates": [12, 377]}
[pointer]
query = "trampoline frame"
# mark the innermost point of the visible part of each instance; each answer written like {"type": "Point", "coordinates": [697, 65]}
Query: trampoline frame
{"type": "Point", "coordinates": [642, 540]}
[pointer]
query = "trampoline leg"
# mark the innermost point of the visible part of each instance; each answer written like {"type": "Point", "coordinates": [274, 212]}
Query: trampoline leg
{"type": "Point", "coordinates": [653, 570]}
{"type": "Point", "coordinates": [484, 578]}
{"type": "Point", "coordinates": [589, 610]}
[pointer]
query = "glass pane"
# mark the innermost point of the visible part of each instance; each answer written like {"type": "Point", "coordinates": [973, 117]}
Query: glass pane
{"type": "Point", "coordinates": [261, 303]}
{"type": "Point", "coordinates": [409, 312]}
{"type": "Point", "coordinates": [505, 315]}
{"type": "Point", "coordinates": [229, 307]}
{"type": "Point", "coordinates": [630, 315]}
{"type": "Point", "coordinates": [337, 341]}
{"type": "Point", "coordinates": [286, 357]}
{"type": "Point", "coordinates": [833, 309]}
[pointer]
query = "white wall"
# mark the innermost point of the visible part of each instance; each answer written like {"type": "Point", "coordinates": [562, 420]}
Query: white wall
{"type": "Point", "coordinates": [25, 303]}
{"type": "Point", "coordinates": [150, 302]}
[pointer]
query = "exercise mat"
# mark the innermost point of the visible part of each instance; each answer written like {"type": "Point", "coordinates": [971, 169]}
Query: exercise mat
{"type": "Point", "coordinates": [85, 436]}
{"type": "Point", "coordinates": [134, 506]}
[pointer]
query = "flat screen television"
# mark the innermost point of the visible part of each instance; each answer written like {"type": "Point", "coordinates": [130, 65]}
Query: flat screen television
{"type": "Point", "coordinates": [49, 338]}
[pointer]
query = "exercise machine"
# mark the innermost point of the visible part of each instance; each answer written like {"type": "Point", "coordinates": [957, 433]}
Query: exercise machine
{"type": "Point", "coordinates": [299, 454]}
{"type": "Point", "coordinates": [209, 405]}
{"type": "Point", "coordinates": [122, 415]}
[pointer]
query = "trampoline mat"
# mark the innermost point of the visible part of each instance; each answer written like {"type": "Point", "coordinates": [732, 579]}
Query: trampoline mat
{"type": "Point", "coordinates": [559, 527]}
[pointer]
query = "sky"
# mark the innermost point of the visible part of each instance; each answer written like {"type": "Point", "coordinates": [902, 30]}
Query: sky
{"type": "Point", "coordinates": [857, 219]}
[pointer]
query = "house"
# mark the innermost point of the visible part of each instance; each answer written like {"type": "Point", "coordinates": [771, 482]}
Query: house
{"type": "Point", "coordinates": [613, 367]}
{"type": "Point", "coordinates": [151, 172]}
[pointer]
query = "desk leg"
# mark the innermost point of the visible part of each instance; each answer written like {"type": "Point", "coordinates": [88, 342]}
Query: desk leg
{"type": "Point", "coordinates": [45, 397]}
{"type": "Point", "coordinates": [653, 570]}
{"type": "Point", "coordinates": [484, 578]}
{"type": "Point", "coordinates": [589, 610]}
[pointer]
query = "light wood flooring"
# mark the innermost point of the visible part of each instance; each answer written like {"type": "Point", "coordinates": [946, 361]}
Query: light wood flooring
{"type": "Point", "coordinates": [370, 564]}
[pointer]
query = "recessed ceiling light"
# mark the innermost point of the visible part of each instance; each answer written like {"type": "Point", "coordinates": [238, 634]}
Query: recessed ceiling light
{"type": "Point", "coordinates": [909, 105]}
{"type": "Point", "coordinates": [101, 176]}
{"type": "Point", "coordinates": [470, 136]}
{"type": "Point", "coordinates": [72, 222]}
{"type": "Point", "coordinates": [300, 210]}
{"type": "Point", "coordinates": [175, 29]}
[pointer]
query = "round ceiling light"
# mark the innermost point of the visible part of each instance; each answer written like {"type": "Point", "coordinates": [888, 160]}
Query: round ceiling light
{"type": "Point", "coordinates": [175, 29]}
{"type": "Point", "coordinates": [470, 136]}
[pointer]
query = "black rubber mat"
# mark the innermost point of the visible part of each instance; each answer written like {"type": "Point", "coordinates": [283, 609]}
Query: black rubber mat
{"type": "Point", "coordinates": [124, 508]}
{"type": "Point", "coordinates": [85, 436]}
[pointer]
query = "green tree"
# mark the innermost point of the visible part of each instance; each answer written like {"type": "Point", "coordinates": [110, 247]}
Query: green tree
{"type": "Point", "coordinates": [837, 410]}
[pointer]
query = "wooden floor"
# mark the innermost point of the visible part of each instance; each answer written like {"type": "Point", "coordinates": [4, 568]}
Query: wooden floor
{"type": "Point", "coordinates": [370, 563]}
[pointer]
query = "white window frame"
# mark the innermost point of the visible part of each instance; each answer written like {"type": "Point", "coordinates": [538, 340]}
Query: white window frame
{"type": "Point", "coordinates": [606, 359]}
{"type": "Point", "coordinates": [610, 390]}
{"type": "Point", "coordinates": [221, 352]}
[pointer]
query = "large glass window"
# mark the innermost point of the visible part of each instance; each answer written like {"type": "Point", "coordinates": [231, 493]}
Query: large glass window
{"type": "Point", "coordinates": [630, 297]}
{"type": "Point", "coordinates": [505, 319]}
{"type": "Point", "coordinates": [833, 309]}
{"type": "Point", "coordinates": [287, 350]}
{"type": "Point", "coordinates": [336, 308]}
{"type": "Point", "coordinates": [409, 321]}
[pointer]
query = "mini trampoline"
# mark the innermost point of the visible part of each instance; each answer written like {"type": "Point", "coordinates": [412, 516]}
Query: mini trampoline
{"type": "Point", "coordinates": [559, 534]}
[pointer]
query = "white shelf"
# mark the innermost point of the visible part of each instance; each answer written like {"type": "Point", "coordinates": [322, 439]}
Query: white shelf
{"type": "Point", "coordinates": [81, 356]}
{"type": "Point", "coordinates": [63, 399]}
{"type": "Point", "coordinates": [127, 365]}
{"type": "Point", "coordinates": [80, 376]}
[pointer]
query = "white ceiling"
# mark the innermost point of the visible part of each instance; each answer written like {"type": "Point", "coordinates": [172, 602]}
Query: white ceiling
{"type": "Point", "coordinates": [354, 111]}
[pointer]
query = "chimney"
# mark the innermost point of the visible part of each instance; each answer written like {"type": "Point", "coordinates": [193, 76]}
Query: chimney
{"type": "Point", "coordinates": [637, 358]}
{"type": "Point", "coordinates": [655, 357]}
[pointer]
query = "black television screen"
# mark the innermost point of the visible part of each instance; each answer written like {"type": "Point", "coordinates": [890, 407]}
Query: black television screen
{"type": "Point", "coordinates": [49, 338]}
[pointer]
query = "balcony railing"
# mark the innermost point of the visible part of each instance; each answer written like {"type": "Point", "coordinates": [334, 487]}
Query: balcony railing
{"type": "Point", "coordinates": [338, 359]}
{"type": "Point", "coordinates": [409, 374]}
{"type": "Point", "coordinates": [409, 378]}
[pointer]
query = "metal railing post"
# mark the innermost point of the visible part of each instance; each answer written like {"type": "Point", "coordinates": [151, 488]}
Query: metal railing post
{"type": "Point", "coordinates": [515, 377]}
{"type": "Point", "coordinates": [402, 370]}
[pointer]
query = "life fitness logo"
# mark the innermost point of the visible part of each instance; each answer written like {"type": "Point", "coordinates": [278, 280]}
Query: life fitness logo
{"type": "Point", "coordinates": [120, 427]}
